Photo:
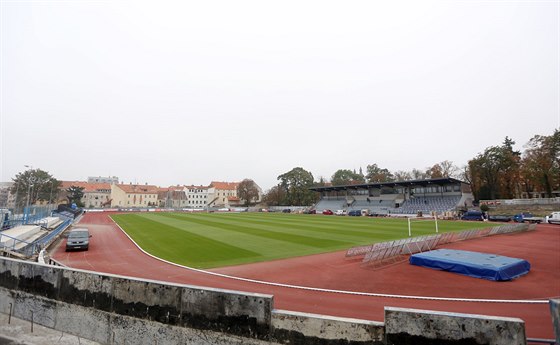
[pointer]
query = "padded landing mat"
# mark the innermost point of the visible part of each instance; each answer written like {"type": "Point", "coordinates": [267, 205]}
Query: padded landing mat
{"type": "Point", "coordinates": [473, 264]}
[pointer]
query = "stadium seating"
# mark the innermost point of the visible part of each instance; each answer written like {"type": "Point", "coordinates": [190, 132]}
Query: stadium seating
{"type": "Point", "coordinates": [331, 204]}
{"type": "Point", "coordinates": [427, 204]}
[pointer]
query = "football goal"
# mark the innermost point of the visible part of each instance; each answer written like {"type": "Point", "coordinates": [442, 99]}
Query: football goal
{"type": "Point", "coordinates": [426, 224]}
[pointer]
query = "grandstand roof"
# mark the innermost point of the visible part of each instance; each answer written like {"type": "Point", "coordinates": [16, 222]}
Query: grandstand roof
{"type": "Point", "coordinates": [423, 183]}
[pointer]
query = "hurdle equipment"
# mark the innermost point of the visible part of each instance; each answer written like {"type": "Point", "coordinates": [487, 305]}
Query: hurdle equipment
{"type": "Point", "coordinates": [381, 253]}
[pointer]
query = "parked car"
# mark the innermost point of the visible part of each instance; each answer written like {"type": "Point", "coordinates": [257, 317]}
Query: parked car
{"type": "Point", "coordinates": [286, 210]}
{"type": "Point", "coordinates": [499, 218]}
{"type": "Point", "coordinates": [78, 239]}
{"type": "Point", "coordinates": [527, 217]}
{"type": "Point", "coordinates": [340, 213]}
{"type": "Point", "coordinates": [328, 212]}
{"type": "Point", "coordinates": [355, 213]}
{"type": "Point", "coordinates": [473, 215]}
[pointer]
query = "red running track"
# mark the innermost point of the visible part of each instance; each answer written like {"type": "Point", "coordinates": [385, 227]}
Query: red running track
{"type": "Point", "coordinates": [111, 251]}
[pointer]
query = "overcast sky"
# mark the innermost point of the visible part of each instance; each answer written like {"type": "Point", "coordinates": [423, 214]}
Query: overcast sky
{"type": "Point", "coordinates": [187, 92]}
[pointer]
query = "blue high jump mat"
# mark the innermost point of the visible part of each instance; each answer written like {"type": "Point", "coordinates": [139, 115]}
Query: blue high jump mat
{"type": "Point", "coordinates": [473, 264]}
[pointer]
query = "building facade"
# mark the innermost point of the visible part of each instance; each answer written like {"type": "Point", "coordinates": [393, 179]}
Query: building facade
{"type": "Point", "coordinates": [7, 200]}
{"type": "Point", "coordinates": [172, 197]}
{"type": "Point", "coordinates": [197, 196]}
{"type": "Point", "coordinates": [223, 194]}
{"type": "Point", "coordinates": [96, 195]}
{"type": "Point", "coordinates": [133, 195]}
{"type": "Point", "coordinates": [103, 179]}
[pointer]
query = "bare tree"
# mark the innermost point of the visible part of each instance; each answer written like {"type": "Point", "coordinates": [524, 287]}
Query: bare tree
{"type": "Point", "coordinates": [248, 191]}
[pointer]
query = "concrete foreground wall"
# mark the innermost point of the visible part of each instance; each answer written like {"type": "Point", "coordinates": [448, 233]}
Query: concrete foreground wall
{"type": "Point", "coordinates": [112, 309]}
{"type": "Point", "coordinates": [110, 328]}
{"type": "Point", "coordinates": [411, 326]}
{"type": "Point", "coordinates": [555, 312]}
{"type": "Point", "coordinates": [237, 313]}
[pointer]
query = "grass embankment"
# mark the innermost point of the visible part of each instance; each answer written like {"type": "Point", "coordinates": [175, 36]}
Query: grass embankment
{"type": "Point", "coordinates": [213, 240]}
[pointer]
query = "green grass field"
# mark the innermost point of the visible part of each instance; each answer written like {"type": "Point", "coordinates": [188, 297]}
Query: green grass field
{"type": "Point", "coordinates": [223, 239]}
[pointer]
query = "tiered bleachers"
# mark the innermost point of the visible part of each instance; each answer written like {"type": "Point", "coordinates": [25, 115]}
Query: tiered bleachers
{"type": "Point", "coordinates": [49, 222]}
{"type": "Point", "coordinates": [20, 236]}
{"type": "Point", "coordinates": [427, 204]}
{"type": "Point", "coordinates": [374, 205]}
{"type": "Point", "coordinates": [331, 204]}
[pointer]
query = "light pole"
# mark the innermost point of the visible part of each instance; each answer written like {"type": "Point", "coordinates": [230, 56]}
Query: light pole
{"type": "Point", "coordinates": [50, 195]}
{"type": "Point", "coordinates": [30, 183]}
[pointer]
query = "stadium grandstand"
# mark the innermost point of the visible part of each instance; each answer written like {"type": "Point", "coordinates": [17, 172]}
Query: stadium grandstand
{"type": "Point", "coordinates": [428, 196]}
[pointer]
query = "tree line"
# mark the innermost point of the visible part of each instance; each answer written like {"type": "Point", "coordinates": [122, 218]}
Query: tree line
{"type": "Point", "coordinates": [499, 172]}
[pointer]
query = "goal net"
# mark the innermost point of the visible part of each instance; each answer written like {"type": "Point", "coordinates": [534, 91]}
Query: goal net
{"type": "Point", "coordinates": [423, 224]}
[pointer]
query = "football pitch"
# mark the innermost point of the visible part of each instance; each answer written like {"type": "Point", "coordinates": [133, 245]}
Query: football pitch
{"type": "Point", "coordinates": [203, 240]}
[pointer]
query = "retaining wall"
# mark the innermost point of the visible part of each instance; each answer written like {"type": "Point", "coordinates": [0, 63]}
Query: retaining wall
{"type": "Point", "coordinates": [411, 326]}
{"type": "Point", "coordinates": [555, 312]}
{"type": "Point", "coordinates": [113, 309]}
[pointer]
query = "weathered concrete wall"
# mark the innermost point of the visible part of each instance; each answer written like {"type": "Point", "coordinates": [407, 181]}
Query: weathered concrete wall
{"type": "Point", "coordinates": [555, 312]}
{"type": "Point", "coordinates": [113, 309]}
{"type": "Point", "coordinates": [110, 328]}
{"type": "Point", "coordinates": [411, 326]}
{"type": "Point", "coordinates": [243, 314]}
{"type": "Point", "coordinates": [290, 327]}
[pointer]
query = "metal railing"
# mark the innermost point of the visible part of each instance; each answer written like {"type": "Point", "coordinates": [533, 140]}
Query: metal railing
{"type": "Point", "coordinates": [391, 251]}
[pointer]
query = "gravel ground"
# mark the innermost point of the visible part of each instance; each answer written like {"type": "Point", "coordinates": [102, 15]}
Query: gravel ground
{"type": "Point", "coordinates": [18, 332]}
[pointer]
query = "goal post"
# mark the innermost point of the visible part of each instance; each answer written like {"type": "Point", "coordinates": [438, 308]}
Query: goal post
{"type": "Point", "coordinates": [421, 219]}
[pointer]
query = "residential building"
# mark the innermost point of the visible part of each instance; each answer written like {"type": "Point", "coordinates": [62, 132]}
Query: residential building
{"type": "Point", "coordinates": [7, 200]}
{"type": "Point", "coordinates": [197, 196]}
{"type": "Point", "coordinates": [96, 195]}
{"type": "Point", "coordinates": [103, 179]}
{"type": "Point", "coordinates": [223, 194]}
{"type": "Point", "coordinates": [172, 197]}
{"type": "Point", "coordinates": [134, 195]}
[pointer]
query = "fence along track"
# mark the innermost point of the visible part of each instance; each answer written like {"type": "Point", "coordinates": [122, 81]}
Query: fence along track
{"type": "Point", "coordinates": [379, 254]}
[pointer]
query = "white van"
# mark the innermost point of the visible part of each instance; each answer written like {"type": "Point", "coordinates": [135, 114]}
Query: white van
{"type": "Point", "coordinates": [554, 218]}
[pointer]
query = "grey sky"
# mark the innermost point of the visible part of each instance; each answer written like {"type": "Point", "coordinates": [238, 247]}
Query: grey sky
{"type": "Point", "coordinates": [188, 92]}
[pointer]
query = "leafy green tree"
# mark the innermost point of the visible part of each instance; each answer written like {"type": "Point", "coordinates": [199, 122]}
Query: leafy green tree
{"type": "Point", "coordinates": [34, 185]}
{"type": "Point", "coordinates": [376, 174]}
{"type": "Point", "coordinates": [74, 195]}
{"type": "Point", "coordinates": [541, 163]}
{"type": "Point", "coordinates": [346, 177]}
{"type": "Point", "coordinates": [248, 191]}
{"type": "Point", "coordinates": [495, 171]}
{"type": "Point", "coordinates": [296, 184]}
{"type": "Point", "coordinates": [435, 171]}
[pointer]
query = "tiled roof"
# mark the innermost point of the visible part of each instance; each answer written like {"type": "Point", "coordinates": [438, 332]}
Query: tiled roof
{"type": "Point", "coordinates": [196, 187]}
{"type": "Point", "coordinates": [224, 185]}
{"type": "Point", "coordinates": [138, 188]}
{"type": "Point", "coordinates": [88, 187]}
